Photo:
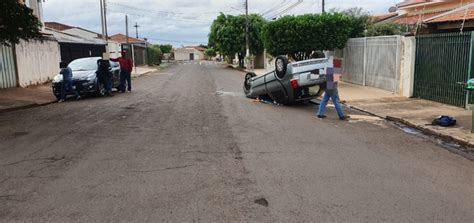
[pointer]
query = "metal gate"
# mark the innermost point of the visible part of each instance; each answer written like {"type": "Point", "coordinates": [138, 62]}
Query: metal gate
{"type": "Point", "coordinates": [7, 68]}
{"type": "Point", "coordinates": [374, 61]}
{"type": "Point", "coordinates": [442, 62]}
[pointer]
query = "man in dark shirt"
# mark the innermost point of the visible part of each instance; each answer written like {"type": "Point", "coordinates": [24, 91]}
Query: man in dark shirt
{"type": "Point", "coordinates": [105, 76]}
{"type": "Point", "coordinates": [126, 66]}
{"type": "Point", "coordinates": [67, 81]}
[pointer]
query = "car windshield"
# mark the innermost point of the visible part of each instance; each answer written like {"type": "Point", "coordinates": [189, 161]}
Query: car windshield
{"type": "Point", "coordinates": [84, 64]}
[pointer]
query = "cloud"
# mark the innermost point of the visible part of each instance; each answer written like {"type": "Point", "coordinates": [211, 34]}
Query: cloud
{"type": "Point", "coordinates": [181, 22]}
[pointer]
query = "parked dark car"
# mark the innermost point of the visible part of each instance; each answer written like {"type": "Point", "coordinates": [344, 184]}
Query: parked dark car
{"type": "Point", "coordinates": [289, 82]}
{"type": "Point", "coordinates": [85, 78]}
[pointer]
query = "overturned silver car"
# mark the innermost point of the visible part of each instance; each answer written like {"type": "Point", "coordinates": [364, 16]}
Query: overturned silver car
{"type": "Point", "coordinates": [290, 82]}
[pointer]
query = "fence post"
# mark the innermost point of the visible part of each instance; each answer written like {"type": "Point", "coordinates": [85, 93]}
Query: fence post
{"type": "Point", "coordinates": [397, 64]}
{"type": "Point", "coordinates": [469, 72]}
{"type": "Point", "coordinates": [365, 62]}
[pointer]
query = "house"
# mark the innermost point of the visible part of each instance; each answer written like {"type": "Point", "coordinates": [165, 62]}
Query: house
{"type": "Point", "coordinates": [189, 53]}
{"type": "Point", "coordinates": [30, 62]}
{"type": "Point", "coordinates": [77, 42]}
{"type": "Point", "coordinates": [419, 15]}
{"type": "Point", "coordinates": [136, 48]}
{"type": "Point", "coordinates": [454, 20]}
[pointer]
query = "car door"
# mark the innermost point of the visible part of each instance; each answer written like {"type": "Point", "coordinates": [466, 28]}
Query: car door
{"type": "Point", "coordinates": [276, 88]}
{"type": "Point", "coordinates": [115, 73]}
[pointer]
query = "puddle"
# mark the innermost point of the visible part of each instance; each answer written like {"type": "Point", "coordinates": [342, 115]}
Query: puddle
{"type": "Point", "coordinates": [228, 93]}
{"type": "Point", "coordinates": [451, 146]}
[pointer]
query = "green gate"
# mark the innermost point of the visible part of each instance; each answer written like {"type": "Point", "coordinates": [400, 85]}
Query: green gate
{"type": "Point", "coordinates": [442, 62]}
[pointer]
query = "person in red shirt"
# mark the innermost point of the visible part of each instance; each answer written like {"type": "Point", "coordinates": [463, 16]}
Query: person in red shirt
{"type": "Point", "coordinates": [125, 72]}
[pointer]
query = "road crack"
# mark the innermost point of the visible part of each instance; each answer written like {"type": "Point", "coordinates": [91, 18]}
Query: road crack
{"type": "Point", "coordinates": [47, 159]}
{"type": "Point", "coordinates": [157, 170]}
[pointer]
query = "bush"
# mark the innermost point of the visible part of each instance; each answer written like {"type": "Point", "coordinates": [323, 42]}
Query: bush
{"type": "Point", "coordinates": [301, 36]}
{"type": "Point", "coordinates": [386, 29]}
{"type": "Point", "coordinates": [154, 55]}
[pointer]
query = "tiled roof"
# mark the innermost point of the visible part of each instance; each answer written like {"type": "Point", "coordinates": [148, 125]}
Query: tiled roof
{"type": "Point", "coordinates": [460, 15]}
{"type": "Point", "coordinates": [411, 2]}
{"type": "Point", "coordinates": [123, 38]}
{"type": "Point", "coordinates": [413, 19]}
{"type": "Point", "coordinates": [57, 26]}
{"type": "Point", "coordinates": [379, 18]}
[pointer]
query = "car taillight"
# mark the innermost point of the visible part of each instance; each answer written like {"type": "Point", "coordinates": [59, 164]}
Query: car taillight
{"type": "Point", "coordinates": [294, 83]}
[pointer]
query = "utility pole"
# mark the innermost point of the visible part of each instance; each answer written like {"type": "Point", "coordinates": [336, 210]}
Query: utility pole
{"type": "Point", "coordinates": [323, 7]}
{"type": "Point", "coordinates": [105, 28]}
{"type": "Point", "coordinates": [247, 27]}
{"type": "Point", "coordinates": [136, 28]}
{"type": "Point", "coordinates": [102, 19]}
{"type": "Point", "coordinates": [126, 28]}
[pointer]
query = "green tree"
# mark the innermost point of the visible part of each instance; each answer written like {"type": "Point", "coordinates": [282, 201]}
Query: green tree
{"type": "Point", "coordinates": [302, 36]}
{"type": "Point", "coordinates": [210, 52]}
{"type": "Point", "coordinates": [166, 48]}
{"type": "Point", "coordinates": [17, 22]}
{"type": "Point", "coordinates": [154, 54]}
{"type": "Point", "coordinates": [386, 29]}
{"type": "Point", "coordinates": [361, 20]}
{"type": "Point", "coordinates": [227, 35]}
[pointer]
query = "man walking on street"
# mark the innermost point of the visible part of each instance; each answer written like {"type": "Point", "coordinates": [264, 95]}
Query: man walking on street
{"type": "Point", "coordinates": [125, 72]}
{"type": "Point", "coordinates": [67, 82]}
{"type": "Point", "coordinates": [331, 92]}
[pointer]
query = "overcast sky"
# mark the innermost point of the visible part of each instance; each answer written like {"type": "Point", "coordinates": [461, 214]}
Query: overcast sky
{"type": "Point", "coordinates": [181, 22]}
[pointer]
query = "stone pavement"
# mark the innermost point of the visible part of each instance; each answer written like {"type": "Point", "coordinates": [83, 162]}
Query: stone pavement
{"type": "Point", "coordinates": [417, 113]}
{"type": "Point", "coordinates": [141, 70]}
{"type": "Point", "coordinates": [19, 98]}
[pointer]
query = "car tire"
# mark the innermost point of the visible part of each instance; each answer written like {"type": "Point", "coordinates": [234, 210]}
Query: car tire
{"type": "Point", "coordinates": [281, 63]}
{"type": "Point", "coordinates": [248, 76]}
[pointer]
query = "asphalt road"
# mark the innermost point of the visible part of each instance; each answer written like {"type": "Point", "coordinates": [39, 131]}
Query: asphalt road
{"type": "Point", "coordinates": [187, 146]}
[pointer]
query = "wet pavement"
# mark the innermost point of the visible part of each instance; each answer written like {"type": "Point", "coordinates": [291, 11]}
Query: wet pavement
{"type": "Point", "coordinates": [187, 146]}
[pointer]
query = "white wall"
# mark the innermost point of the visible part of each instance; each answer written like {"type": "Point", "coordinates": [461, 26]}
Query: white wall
{"type": "Point", "coordinates": [183, 53]}
{"type": "Point", "coordinates": [37, 62]}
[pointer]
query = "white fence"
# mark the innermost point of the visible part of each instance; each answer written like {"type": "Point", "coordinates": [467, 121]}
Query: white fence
{"type": "Point", "coordinates": [374, 61]}
{"type": "Point", "coordinates": [38, 61]}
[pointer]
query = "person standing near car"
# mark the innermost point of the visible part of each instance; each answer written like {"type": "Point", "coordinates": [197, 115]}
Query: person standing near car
{"type": "Point", "coordinates": [331, 91]}
{"type": "Point", "coordinates": [126, 66]}
{"type": "Point", "coordinates": [104, 76]}
{"type": "Point", "coordinates": [67, 84]}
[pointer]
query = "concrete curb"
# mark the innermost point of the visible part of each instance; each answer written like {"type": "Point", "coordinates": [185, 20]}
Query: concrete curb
{"type": "Point", "coordinates": [426, 131]}
{"type": "Point", "coordinates": [238, 68]}
{"type": "Point", "coordinates": [23, 107]}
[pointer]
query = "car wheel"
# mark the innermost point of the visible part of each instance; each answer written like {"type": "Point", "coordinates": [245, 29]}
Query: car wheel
{"type": "Point", "coordinates": [281, 63]}
{"type": "Point", "coordinates": [247, 85]}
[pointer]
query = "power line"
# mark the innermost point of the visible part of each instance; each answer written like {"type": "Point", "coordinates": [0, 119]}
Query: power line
{"type": "Point", "coordinates": [164, 12]}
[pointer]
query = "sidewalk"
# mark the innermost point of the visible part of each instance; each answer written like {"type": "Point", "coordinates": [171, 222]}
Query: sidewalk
{"type": "Point", "coordinates": [416, 113]}
{"type": "Point", "coordinates": [141, 70]}
{"type": "Point", "coordinates": [20, 98]}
